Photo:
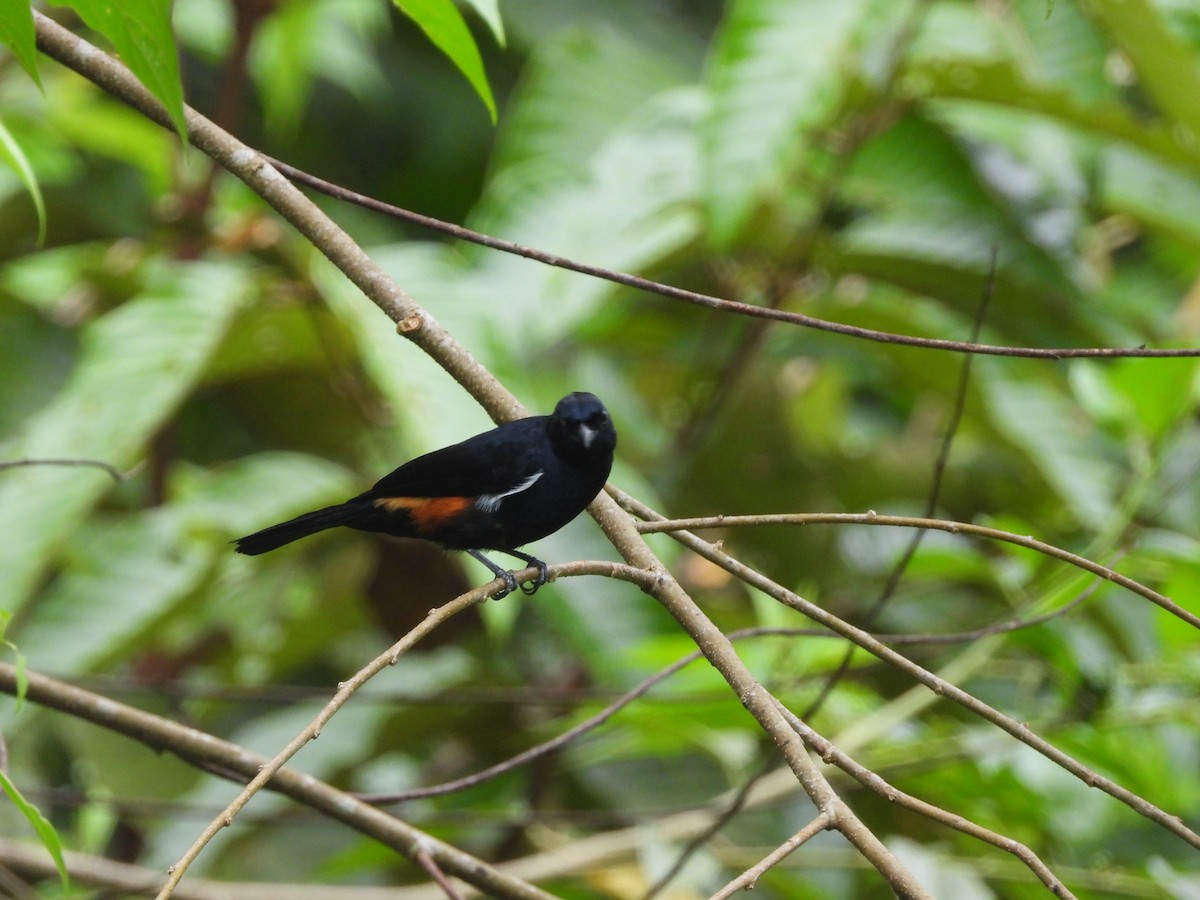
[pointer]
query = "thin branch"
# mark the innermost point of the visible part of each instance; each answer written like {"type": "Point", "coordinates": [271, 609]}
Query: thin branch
{"type": "Point", "coordinates": [112, 470]}
{"type": "Point", "coordinates": [1018, 730]}
{"type": "Point", "coordinates": [348, 688]}
{"type": "Point", "coordinates": [118, 879]}
{"type": "Point", "coordinates": [540, 750]}
{"type": "Point", "coordinates": [189, 743]}
{"type": "Point", "coordinates": [313, 730]}
{"type": "Point", "coordinates": [935, 491]}
{"type": "Point", "coordinates": [294, 693]}
{"type": "Point", "coordinates": [870, 780]}
{"type": "Point", "coordinates": [429, 864]}
{"type": "Point", "coordinates": [735, 805]}
{"type": "Point", "coordinates": [656, 525]}
{"type": "Point", "coordinates": [730, 306]}
{"type": "Point", "coordinates": [640, 690]}
{"type": "Point", "coordinates": [748, 879]}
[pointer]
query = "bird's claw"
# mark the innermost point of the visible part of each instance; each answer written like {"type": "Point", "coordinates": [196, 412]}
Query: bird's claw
{"type": "Point", "coordinates": [510, 585]}
{"type": "Point", "coordinates": [543, 574]}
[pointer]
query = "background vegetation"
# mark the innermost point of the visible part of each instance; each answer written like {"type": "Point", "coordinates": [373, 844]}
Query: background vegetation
{"type": "Point", "coordinates": [890, 165]}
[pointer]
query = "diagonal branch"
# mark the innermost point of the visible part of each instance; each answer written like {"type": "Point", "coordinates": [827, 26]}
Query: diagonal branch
{"type": "Point", "coordinates": [939, 686]}
{"type": "Point", "coordinates": [748, 879]}
{"type": "Point", "coordinates": [931, 501]}
{"type": "Point", "coordinates": [193, 745]}
{"type": "Point", "coordinates": [868, 779]}
{"type": "Point", "coordinates": [655, 525]}
{"type": "Point", "coordinates": [708, 301]}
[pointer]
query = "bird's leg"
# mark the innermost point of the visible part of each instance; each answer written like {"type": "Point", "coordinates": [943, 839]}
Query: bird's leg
{"type": "Point", "coordinates": [510, 580]}
{"type": "Point", "coordinates": [543, 570]}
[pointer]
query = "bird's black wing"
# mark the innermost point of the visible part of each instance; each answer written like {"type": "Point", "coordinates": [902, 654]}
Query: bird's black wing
{"type": "Point", "coordinates": [489, 463]}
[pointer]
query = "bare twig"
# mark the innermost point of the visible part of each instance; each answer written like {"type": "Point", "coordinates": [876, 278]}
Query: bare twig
{"type": "Point", "coordinates": [191, 744]}
{"type": "Point", "coordinates": [313, 730]}
{"type": "Point", "coordinates": [429, 864]}
{"type": "Point", "coordinates": [348, 688]}
{"type": "Point", "coordinates": [735, 805]}
{"type": "Point", "coordinates": [748, 879]}
{"type": "Point", "coordinates": [653, 526]}
{"type": "Point", "coordinates": [939, 686]}
{"type": "Point", "coordinates": [547, 747]}
{"type": "Point", "coordinates": [640, 690]}
{"type": "Point", "coordinates": [117, 879]}
{"type": "Point", "coordinates": [706, 300]}
{"type": "Point", "coordinates": [931, 500]}
{"type": "Point", "coordinates": [868, 779]}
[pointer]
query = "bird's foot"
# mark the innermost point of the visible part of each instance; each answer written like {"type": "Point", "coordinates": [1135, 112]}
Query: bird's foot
{"type": "Point", "coordinates": [510, 579]}
{"type": "Point", "coordinates": [510, 585]}
{"type": "Point", "coordinates": [543, 575]}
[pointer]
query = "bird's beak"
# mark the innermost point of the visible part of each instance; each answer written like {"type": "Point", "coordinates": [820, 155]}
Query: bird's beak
{"type": "Point", "coordinates": [588, 435]}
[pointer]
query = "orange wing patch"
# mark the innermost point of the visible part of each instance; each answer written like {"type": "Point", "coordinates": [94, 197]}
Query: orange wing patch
{"type": "Point", "coordinates": [428, 513]}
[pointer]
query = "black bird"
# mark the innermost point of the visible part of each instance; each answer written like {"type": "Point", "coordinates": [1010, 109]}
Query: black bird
{"type": "Point", "coordinates": [496, 491]}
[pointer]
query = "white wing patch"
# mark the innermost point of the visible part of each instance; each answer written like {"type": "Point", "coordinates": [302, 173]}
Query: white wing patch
{"type": "Point", "coordinates": [491, 502]}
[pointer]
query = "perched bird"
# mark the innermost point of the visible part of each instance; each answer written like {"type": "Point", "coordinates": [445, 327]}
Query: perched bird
{"type": "Point", "coordinates": [496, 491]}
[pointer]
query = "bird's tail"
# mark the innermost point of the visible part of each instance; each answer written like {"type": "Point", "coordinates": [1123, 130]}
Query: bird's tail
{"type": "Point", "coordinates": [294, 529]}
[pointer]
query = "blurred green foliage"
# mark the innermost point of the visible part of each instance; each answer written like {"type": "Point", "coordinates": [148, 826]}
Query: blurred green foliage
{"type": "Point", "coordinates": [857, 161]}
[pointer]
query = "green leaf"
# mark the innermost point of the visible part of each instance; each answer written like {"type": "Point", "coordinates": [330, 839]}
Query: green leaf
{"type": "Point", "coordinates": [141, 33]}
{"type": "Point", "coordinates": [931, 227]}
{"type": "Point", "coordinates": [42, 828]}
{"type": "Point", "coordinates": [136, 365]}
{"type": "Point", "coordinates": [1068, 50]}
{"type": "Point", "coordinates": [537, 147]}
{"type": "Point", "coordinates": [120, 575]}
{"type": "Point", "coordinates": [489, 11]}
{"type": "Point", "coordinates": [14, 158]}
{"type": "Point", "coordinates": [300, 44]}
{"type": "Point", "coordinates": [775, 75]}
{"type": "Point", "coordinates": [17, 33]}
{"type": "Point", "coordinates": [1159, 395]}
{"type": "Point", "coordinates": [1160, 195]}
{"type": "Point", "coordinates": [1059, 441]}
{"type": "Point", "coordinates": [1165, 66]}
{"type": "Point", "coordinates": [444, 25]}
{"type": "Point", "coordinates": [1000, 83]}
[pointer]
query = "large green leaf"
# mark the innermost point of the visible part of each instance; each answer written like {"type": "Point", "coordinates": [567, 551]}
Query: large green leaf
{"type": "Point", "coordinates": [122, 574]}
{"type": "Point", "coordinates": [1059, 441]}
{"type": "Point", "coordinates": [489, 11]}
{"type": "Point", "coordinates": [141, 34]}
{"type": "Point", "coordinates": [17, 33]}
{"type": "Point", "coordinates": [444, 25]}
{"type": "Point", "coordinates": [119, 575]}
{"type": "Point", "coordinates": [136, 366]}
{"type": "Point", "coordinates": [537, 147]}
{"type": "Point", "coordinates": [12, 156]}
{"type": "Point", "coordinates": [1068, 50]}
{"type": "Point", "coordinates": [1166, 67]}
{"type": "Point", "coordinates": [300, 43]}
{"type": "Point", "coordinates": [42, 827]}
{"type": "Point", "coordinates": [1000, 83]}
{"type": "Point", "coordinates": [930, 223]}
{"type": "Point", "coordinates": [1160, 195]}
{"type": "Point", "coordinates": [776, 73]}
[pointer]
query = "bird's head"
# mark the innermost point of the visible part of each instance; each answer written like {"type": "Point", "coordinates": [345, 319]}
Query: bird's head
{"type": "Point", "coordinates": [581, 428]}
